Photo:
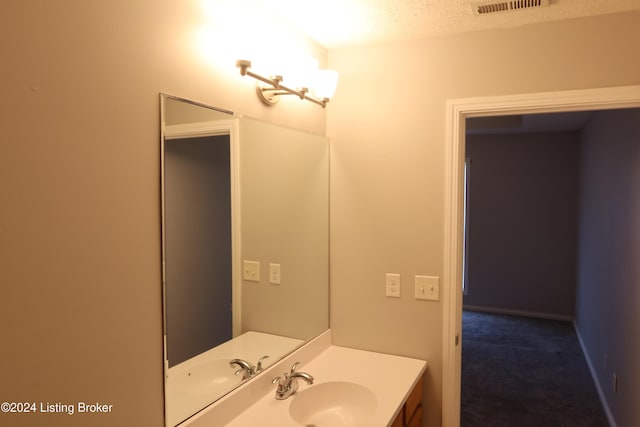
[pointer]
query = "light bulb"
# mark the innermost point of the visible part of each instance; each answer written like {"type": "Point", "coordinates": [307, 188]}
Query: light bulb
{"type": "Point", "coordinates": [326, 83]}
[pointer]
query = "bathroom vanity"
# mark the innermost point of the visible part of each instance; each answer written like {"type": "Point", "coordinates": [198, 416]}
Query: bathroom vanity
{"type": "Point", "coordinates": [350, 388]}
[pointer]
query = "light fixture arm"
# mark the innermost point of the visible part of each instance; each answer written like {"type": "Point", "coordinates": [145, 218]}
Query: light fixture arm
{"type": "Point", "coordinates": [270, 95]}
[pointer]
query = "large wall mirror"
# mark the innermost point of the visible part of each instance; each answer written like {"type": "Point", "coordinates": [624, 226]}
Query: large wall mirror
{"type": "Point", "coordinates": [245, 248]}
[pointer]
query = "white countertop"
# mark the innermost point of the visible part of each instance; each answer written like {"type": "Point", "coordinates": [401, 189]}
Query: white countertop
{"type": "Point", "coordinates": [391, 378]}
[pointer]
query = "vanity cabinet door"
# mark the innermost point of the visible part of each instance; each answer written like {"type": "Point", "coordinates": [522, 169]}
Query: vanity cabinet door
{"type": "Point", "coordinates": [398, 422]}
{"type": "Point", "coordinates": [413, 403]}
{"type": "Point", "coordinates": [416, 418]}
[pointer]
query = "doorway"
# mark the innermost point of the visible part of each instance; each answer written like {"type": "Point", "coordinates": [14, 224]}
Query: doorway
{"type": "Point", "coordinates": [457, 112]}
{"type": "Point", "coordinates": [198, 249]}
{"type": "Point", "coordinates": [518, 365]}
{"type": "Point", "coordinates": [199, 169]}
{"type": "Point", "coordinates": [521, 210]}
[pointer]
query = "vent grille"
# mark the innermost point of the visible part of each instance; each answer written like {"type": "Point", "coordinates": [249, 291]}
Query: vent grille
{"type": "Point", "coordinates": [504, 6]}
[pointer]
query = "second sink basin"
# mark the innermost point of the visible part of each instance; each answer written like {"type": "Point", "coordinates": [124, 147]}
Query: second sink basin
{"type": "Point", "coordinates": [333, 404]}
{"type": "Point", "coordinates": [212, 376]}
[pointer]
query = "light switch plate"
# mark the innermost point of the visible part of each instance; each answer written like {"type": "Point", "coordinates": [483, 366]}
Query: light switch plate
{"type": "Point", "coordinates": [251, 271]}
{"type": "Point", "coordinates": [274, 274]}
{"type": "Point", "coordinates": [392, 288]}
{"type": "Point", "coordinates": [427, 287]}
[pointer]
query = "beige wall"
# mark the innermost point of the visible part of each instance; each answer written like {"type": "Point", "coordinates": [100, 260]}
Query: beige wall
{"type": "Point", "coordinates": [608, 297]}
{"type": "Point", "coordinates": [387, 127]}
{"type": "Point", "coordinates": [80, 303]}
{"type": "Point", "coordinates": [284, 176]}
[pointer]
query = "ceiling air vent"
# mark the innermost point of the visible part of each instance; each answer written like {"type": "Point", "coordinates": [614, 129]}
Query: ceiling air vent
{"type": "Point", "coordinates": [505, 6]}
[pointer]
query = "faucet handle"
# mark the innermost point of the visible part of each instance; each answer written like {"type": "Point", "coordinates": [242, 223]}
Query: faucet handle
{"type": "Point", "coordinates": [259, 365]}
{"type": "Point", "coordinates": [281, 380]}
{"type": "Point", "coordinates": [288, 382]}
{"type": "Point", "coordinates": [246, 369]}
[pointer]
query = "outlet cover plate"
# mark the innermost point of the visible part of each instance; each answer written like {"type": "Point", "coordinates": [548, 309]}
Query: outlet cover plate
{"type": "Point", "coordinates": [392, 288]}
{"type": "Point", "coordinates": [251, 271]}
{"type": "Point", "coordinates": [274, 274]}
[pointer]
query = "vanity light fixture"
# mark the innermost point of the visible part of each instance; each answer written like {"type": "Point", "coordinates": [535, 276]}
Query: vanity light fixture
{"type": "Point", "coordinates": [270, 89]}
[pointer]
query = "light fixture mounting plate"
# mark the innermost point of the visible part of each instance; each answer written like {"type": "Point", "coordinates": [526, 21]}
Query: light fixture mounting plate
{"type": "Point", "coordinates": [267, 95]}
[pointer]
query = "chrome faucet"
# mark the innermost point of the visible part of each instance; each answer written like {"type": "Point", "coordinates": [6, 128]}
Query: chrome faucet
{"type": "Point", "coordinates": [247, 369]}
{"type": "Point", "coordinates": [288, 382]}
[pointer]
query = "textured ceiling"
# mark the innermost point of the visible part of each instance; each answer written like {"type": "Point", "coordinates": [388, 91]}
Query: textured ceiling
{"type": "Point", "coordinates": [339, 23]}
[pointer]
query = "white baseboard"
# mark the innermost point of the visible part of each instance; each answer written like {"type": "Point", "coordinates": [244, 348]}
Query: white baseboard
{"type": "Point", "coordinates": [603, 400]}
{"type": "Point", "coordinates": [495, 310]}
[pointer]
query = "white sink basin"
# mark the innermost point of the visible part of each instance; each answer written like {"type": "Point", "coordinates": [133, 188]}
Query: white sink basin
{"type": "Point", "coordinates": [333, 404]}
{"type": "Point", "coordinates": [206, 377]}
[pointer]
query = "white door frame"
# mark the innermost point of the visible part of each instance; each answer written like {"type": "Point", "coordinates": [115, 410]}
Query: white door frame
{"type": "Point", "coordinates": [216, 128]}
{"type": "Point", "coordinates": [457, 111]}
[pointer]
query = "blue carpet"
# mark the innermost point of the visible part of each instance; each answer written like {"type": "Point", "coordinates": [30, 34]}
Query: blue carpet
{"type": "Point", "coordinates": [519, 371]}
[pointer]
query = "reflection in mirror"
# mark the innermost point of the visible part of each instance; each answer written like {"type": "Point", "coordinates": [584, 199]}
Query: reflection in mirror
{"type": "Point", "coordinates": [245, 249]}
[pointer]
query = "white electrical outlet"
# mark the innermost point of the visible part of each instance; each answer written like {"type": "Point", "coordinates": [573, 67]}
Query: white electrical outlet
{"type": "Point", "coordinates": [392, 288]}
{"type": "Point", "coordinates": [427, 287]}
{"type": "Point", "coordinates": [274, 274]}
{"type": "Point", "coordinates": [251, 271]}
